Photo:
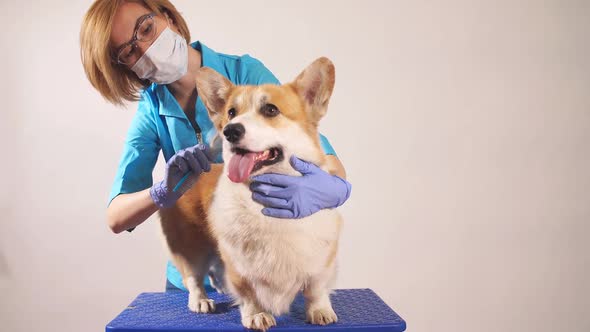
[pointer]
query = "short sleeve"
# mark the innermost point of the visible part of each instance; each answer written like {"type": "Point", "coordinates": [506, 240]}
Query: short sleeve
{"type": "Point", "coordinates": [326, 146]}
{"type": "Point", "coordinates": [253, 72]}
{"type": "Point", "coordinates": [140, 152]}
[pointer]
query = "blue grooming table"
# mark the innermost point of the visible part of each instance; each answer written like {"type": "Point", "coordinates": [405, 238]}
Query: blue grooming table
{"type": "Point", "coordinates": [357, 309]}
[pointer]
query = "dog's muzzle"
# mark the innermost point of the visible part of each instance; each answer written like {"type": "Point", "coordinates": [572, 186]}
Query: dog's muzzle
{"type": "Point", "coordinates": [234, 132]}
{"type": "Point", "coordinates": [244, 162]}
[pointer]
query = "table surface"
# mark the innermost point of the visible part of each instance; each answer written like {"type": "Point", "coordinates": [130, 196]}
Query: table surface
{"type": "Point", "coordinates": [357, 309]}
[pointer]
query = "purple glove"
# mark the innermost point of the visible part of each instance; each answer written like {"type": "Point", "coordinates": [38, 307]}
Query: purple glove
{"type": "Point", "coordinates": [196, 159]}
{"type": "Point", "coordinates": [286, 196]}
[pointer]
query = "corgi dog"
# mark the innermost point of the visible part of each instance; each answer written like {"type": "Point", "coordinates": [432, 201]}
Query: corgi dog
{"type": "Point", "coordinates": [266, 261]}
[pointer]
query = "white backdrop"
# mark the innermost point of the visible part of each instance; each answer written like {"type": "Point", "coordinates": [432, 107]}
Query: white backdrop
{"type": "Point", "coordinates": [464, 127]}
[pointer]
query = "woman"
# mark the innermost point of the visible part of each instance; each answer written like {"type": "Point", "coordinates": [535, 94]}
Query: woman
{"type": "Point", "coordinates": [138, 50]}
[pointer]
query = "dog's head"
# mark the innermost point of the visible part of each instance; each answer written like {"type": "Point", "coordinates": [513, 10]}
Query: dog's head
{"type": "Point", "coordinates": [262, 126]}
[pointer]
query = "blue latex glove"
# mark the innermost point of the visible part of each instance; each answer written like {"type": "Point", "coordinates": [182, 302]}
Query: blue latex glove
{"type": "Point", "coordinates": [286, 196]}
{"type": "Point", "coordinates": [190, 161]}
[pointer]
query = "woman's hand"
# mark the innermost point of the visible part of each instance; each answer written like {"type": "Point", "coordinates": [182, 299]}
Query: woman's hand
{"type": "Point", "coordinates": [286, 196]}
{"type": "Point", "coordinates": [193, 161]}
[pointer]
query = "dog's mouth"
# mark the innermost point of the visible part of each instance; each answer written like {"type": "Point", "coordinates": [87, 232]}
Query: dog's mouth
{"type": "Point", "coordinates": [245, 162]}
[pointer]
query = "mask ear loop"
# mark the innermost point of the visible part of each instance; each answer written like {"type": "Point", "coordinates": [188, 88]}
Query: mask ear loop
{"type": "Point", "coordinates": [168, 18]}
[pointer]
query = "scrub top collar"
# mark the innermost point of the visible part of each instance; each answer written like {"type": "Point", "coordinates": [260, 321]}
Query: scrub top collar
{"type": "Point", "coordinates": [168, 106]}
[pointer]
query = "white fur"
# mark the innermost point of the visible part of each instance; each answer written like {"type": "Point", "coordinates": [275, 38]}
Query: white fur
{"type": "Point", "coordinates": [278, 257]}
{"type": "Point", "coordinates": [284, 253]}
{"type": "Point", "coordinates": [197, 298]}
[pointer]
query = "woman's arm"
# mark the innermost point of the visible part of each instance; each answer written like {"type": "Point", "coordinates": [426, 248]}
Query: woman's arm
{"type": "Point", "coordinates": [127, 211]}
{"type": "Point", "coordinates": [129, 201]}
{"type": "Point", "coordinates": [131, 209]}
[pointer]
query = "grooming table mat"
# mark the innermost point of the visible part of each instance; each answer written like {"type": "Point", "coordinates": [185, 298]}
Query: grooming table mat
{"type": "Point", "coordinates": [357, 309]}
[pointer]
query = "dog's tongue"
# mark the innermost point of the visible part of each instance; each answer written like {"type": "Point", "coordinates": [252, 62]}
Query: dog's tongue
{"type": "Point", "coordinates": [240, 166]}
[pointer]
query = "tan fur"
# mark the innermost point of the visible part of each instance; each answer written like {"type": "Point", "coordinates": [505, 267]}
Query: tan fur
{"type": "Point", "coordinates": [185, 224]}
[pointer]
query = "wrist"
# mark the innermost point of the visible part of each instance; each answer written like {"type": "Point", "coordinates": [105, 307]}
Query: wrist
{"type": "Point", "coordinates": [162, 196]}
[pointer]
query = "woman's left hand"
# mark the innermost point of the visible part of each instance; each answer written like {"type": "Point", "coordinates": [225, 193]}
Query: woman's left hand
{"type": "Point", "coordinates": [287, 196]}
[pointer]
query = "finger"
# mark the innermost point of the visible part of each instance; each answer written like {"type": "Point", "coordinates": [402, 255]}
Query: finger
{"type": "Point", "coordinates": [270, 190]}
{"type": "Point", "coordinates": [181, 164]}
{"type": "Point", "coordinates": [169, 182]}
{"type": "Point", "coordinates": [270, 201]}
{"type": "Point", "coordinates": [194, 164]}
{"type": "Point", "coordinates": [184, 154]}
{"type": "Point", "coordinates": [278, 213]}
{"type": "Point", "coordinates": [186, 182]}
{"type": "Point", "coordinates": [302, 166]}
{"type": "Point", "coordinates": [262, 188]}
{"type": "Point", "coordinates": [201, 157]}
{"type": "Point", "coordinates": [280, 180]}
{"type": "Point", "coordinates": [207, 151]}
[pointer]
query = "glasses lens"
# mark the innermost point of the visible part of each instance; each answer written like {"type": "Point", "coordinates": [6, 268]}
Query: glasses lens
{"type": "Point", "coordinates": [145, 32]}
{"type": "Point", "coordinates": [147, 29]}
{"type": "Point", "coordinates": [127, 55]}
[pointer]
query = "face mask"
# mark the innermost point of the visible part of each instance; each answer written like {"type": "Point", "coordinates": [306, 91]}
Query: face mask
{"type": "Point", "coordinates": [165, 61]}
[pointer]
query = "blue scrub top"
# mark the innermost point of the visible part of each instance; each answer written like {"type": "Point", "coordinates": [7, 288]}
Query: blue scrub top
{"type": "Point", "coordinates": [161, 124]}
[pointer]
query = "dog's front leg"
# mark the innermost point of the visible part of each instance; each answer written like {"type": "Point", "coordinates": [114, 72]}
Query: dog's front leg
{"type": "Point", "coordinates": [318, 308]}
{"type": "Point", "coordinates": [254, 318]}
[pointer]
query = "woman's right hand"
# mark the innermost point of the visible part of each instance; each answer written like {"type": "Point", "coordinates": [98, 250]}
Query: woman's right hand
{"type": "Point", "coordinates": [194, 160]}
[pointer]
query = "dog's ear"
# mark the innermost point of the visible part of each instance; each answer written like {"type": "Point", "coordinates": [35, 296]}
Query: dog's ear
{"type": "Point", "coordinates": [315, 85]}
{"type": "Point", "coordinates": [214, 90]}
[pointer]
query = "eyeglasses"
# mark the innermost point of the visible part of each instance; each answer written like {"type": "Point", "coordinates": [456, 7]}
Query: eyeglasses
{"type": "Point", "coordinates": [145, 30]}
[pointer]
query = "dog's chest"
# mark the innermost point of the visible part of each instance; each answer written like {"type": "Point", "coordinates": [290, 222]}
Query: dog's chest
{"type": "Point", "coordinates": [259, 243]}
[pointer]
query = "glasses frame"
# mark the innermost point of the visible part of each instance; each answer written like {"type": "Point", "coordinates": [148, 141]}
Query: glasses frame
{"type": "Point", "coordinates": [134, 39]}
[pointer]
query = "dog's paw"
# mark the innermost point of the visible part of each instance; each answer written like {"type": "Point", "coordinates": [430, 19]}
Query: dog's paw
{"type": "Point", "coordinates": [261, 321]}
{"type": "Point", "coordinates": [201, 305]}
{"type": "Point", "coordinates": [322, 316]}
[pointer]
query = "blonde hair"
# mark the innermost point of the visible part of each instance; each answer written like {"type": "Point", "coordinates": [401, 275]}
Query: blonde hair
{"type": "Point", "coordinates": [115, 82]}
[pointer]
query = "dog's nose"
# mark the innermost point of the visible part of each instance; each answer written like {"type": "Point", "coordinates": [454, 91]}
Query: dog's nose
{"type": "Point", "coordinates": [234, 132]}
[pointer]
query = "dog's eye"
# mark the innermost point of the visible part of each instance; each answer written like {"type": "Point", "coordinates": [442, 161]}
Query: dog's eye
{"type": "Point", "coordinates": [269, 110]}
{"type": "Point", "coordinates": [231, 113]}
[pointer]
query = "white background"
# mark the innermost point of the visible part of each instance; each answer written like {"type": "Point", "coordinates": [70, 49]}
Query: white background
{"type": "Point", "coordinates": [464, 127]}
